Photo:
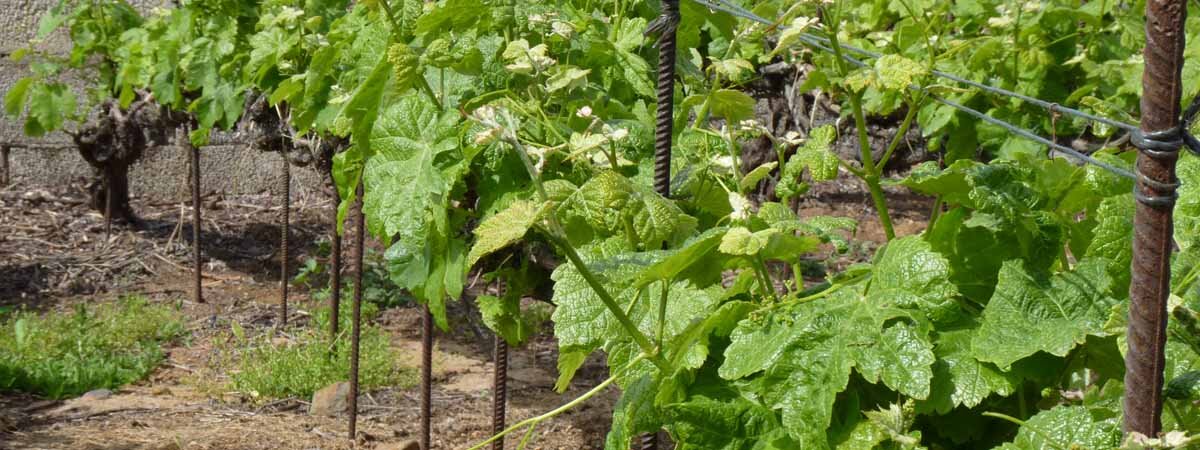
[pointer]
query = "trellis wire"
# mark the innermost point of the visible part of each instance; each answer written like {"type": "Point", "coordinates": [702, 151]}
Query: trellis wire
{"type": "Point", "coordinates": [816, 43]}
{"type": "Point", "coordinates": [732, 9]}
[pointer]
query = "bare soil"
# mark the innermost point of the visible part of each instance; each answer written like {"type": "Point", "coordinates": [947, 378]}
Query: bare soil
{"type": "Point", "coordinates": [54, 254]}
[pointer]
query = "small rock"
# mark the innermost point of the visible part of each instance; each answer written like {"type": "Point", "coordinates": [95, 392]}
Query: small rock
{"type": "Point", "coordinates": [98, 394]}
{"type": "Point", "coordinates": [405, 445]}
{"type": "Point", "coordinates": [331, 400]}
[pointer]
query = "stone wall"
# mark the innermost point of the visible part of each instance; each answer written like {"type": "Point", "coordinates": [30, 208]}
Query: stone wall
{"type": "Point", "coordinates": [162, 175]}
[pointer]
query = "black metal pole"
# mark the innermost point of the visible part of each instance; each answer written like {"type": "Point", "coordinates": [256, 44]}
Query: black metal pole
{"type": "Point", "coordinates": [1152, 222]}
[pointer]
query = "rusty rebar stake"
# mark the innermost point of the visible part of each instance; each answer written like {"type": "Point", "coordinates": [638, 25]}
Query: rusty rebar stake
{"type": "Point", "coordinates": [499, 389]}
{"type": "Point", "coordinates": [360, 231]}
{"type": "Point", "coordinates": [285, 187]}
{"type": "Point", "coordinates": [335, 267]}
{"type": "Point", "coordinates": [426, 375]}
{"type": "Point", "coordinates": [194, 152]}
{"type": "Point", "coordinates": [1152, 222]}
{"type": "Point", "coordinates": [665, 25]}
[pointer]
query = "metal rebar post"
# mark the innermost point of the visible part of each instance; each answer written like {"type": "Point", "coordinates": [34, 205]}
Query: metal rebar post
{"type": "Point", "coordinates": [285, 187]}
{"type": "Point", "coordinates": [664, 118]}
{"type": "Point", "coordinates": [360, 231]}
{"type": "Point", "coordinates": [426, 375]}
{"type": "Point", "coordinates": [1152, 222]}
{"type": "Point", "coordinates": [335, 267]}
{"type": "Point", "coordinates": [665, 25]}
{"type": "Point", "coordinates": [499, 389]}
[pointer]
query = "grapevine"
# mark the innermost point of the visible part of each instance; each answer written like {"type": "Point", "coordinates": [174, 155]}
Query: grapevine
{"type": "Point", "coordinates": [480, 130]}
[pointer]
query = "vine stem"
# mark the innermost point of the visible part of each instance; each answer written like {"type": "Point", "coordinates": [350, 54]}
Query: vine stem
{"type": "Point", "coordinates": [900, 132]}
{"type": "Point", "coordinates": [387, 11]}
{"type": "Point", "coordinates": [533, 421]}
{"type": "Point", "coordinates": [556, 233]}
{"type": "Point", "coordinates": [870, 170]}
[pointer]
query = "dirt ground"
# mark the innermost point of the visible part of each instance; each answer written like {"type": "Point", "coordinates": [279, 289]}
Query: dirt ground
{"type": "Point", "coordinates": [54, 254]}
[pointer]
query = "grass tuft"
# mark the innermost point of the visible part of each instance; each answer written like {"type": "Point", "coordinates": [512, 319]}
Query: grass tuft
{"type": "Point", "coordinates": [64, 354]}
{"type": "Point", "coordinates": [265, 369]}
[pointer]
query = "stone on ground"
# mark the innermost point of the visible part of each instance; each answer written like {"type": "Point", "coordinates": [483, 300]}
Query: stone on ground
{"type": "Point", "coordinates": [331, 400]}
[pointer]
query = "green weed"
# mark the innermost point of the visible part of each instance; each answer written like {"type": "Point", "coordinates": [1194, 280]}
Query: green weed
{"type": "Point", "coordinates": [61, 354]}
{"type": "Point", "coordinates": [307, 363]}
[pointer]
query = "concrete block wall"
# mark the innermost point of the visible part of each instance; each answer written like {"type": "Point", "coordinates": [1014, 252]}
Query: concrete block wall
{"type": "Point", "coordinates": [162, 175]}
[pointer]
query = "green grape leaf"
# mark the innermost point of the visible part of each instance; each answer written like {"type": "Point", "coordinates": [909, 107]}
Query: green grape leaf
{"type": "Point", "coordinates": [896, 72]}
{"type": "Point", "coordinates": [807, 350]}
{"type": "Point", "coordinates": [725, 421]}
{"type": "Point", "coordinates": [613, 205]}
{"type": "Point", "coordinates": [733, 68]}
{"type": "Point", "coordinates": [567, 78]}
{"type": "Point", "coordinates": [731, 105]}
{"type": "Point", "coordinates": [792, 33]}
{"type": "Point", "coordinates": [407, 187]}
{"type": "Point", "coordinates": [570, 359]}
{"type": "Point", "coordinates": [580, 318]}
{"type": "Point", "coordinates": [634, 413]}
{"type": "Point", "coordinates": [816, 155]}
{"type": "Point", "coordinates": [50, 21]}
{"type": "Point", "coordinates": [407, 170]}
{"type": "Point", "coordinates": [740, 241]}
{"type": "Point", "coordinates": [961, 380]}
{"type": "Point", "coordinates": [1183, 386]}
{"type": "Point", "coordinates": [503, 315]}
{"type": "Point", "coordinates": [1066, 427]}
{"type": "Point", "coordinates": [503, 228]}
{"type": "Point", "coordinates": [363, 107]}
{"type": "Point", "coordinates": [49, 106]}
{"type": "Point", "coordinates": [751, 179]}
{"type": "Point", "coordinates": [902, 359]}
{"type": "Point", "coordinates": [908, 274]}
{"type": "Point", "coordinates": [1030, 312]}
{"type": "Point", "coordinates": [14, 99]}
{"type": "Point", "coordinates": [1112, 237]}
{"type": "Point", "coordinates": [694, 251]}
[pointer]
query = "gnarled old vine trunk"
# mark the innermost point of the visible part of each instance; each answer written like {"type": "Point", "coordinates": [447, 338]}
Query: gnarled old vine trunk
{"type": "Point", "coordinates": [112, 142]}
{"type": "Point", "coordinates": [117, 138]}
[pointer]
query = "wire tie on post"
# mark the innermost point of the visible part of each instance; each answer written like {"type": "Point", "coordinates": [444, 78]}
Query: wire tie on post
{"type": "Point", "coordinates": [1160, 145]}
{"type": "Point", "coordinates": [666, 22]}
